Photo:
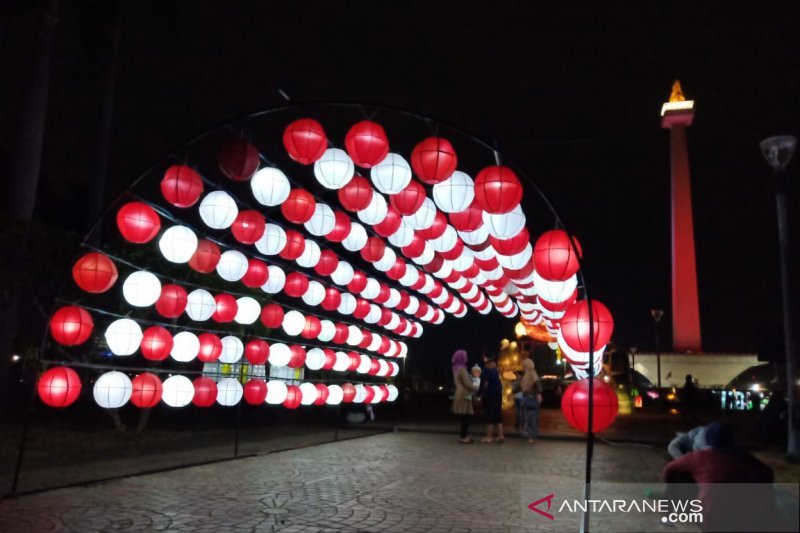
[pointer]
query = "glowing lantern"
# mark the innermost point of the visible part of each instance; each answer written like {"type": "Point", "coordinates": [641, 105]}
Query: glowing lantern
{"type": "Point", "coordinates": [123, 336]}
{"type": "Point", "coordinates": [141, 289]}
{"type": "Point", "coordinates": [71, 325]}
{"type": "Point", "coordinates": [232, 349]}
{"type": "Point", "coordinates": [365, 394]}
{"type": "Point", "coordinates": [310, 256]}
{"type": "Point", "coordinates": [311, 328]}
{"type": "Point", "coordinates": [341, 227]}
{"type": "Point", "coordinates": [181, 186]}
{"type": "Point", "coordinates": [272, 241]}
{"type": "Point", "coordinates": [327, 264]}
{"type": "Point", "coordinates": [455, 194]}
{"type": "Point", "coordinates": [293, 397]}
{"type": "Point", "coordinates": [506, 225]}
{"type": "Point", "coordinates": [356, 239]}
{"type": "Point", "coordinates": [299, 206]}
{"type": "Point", "coordinates": [322, 221]}
{"type": "Point", "coordinates": [364, 364]}
{"type": "Point", "coordinates": [298, 356]}
{"type": "Point", "coordinates": [322, 394]}
{"type": "Point", "coordinates": [200, 305]}
{"type": "Point", "coordinates": [205, 257]}
{"type": "Point", "coordinates": [327, 331]}
{"type": "Point", "coordinates": [335, 395]}
{"type": "Point", "coordinates": [279, 354]}
{"type": "Point", "coordinates": [354, 335]}
{"type": "Point", "coordinates": [270, 187]}
{"type": "Point", "coordinates": [347, 304]}
{"type": "Point", "coordinates": [575, 325]}
{"type": "Point", "coordinates": [205, 392]}
{"type": "Point", "coordinates": [474, 238]}
{"type": "Point", "coordinates": [218, 210]}
{"type": "Point", "coordinates": [373, 250]}
{"type": "Point", "coordinates": [276, 392]}
{"type": "Point", "coordinates": [185, 347]}
{"type": "Point", "coordinates": [248, 310]}
{"type": "Point", "coordinates": [342, 363]}
{"type": "Point", "coordinates": [554, 291]}
{"type": "Point", "coordinates": [305, 141]}
{"type": "Point", "coordinates": [146, 390]}
{"type": "Point", "coordinates": [238, 159]}
{"type": "Point", "coordinates": [356, 195]}
{"type": "Point", "coordinates": [156, 343]}
{"type": "Point", "coordinates": [497, 190]}
{"type": "Point", "coordinates": [366, 143]}
{"type": "Point", "coordinates": [409, 199]}
{"type": "Point", "coordinates": [293, 323]}
{"type": "Point", "coordinates": [330, 359]}
{"type": "Point", "coordinates": [172, 301]}
{"type": "Point", "coordinates": [553, 256]}
{"type": "Point", "coordinates": [59, 386]}
{"type": "Point", "coordinates": [295, 245]}
{"type": "Point", "coordinates": [257, 273]}
{"type": "Point", "coordinates": [315, 359]}
{"type": "Point", "coordinates": [375, 211]}
{"type": "Point", "coordinates": [393, 393]}
{"type": "Point", "coordinates": [446, 240]}
{"type": "Point", "coordinates": [391, 175]}
{"type": "Point", "coordinates": [315, 293]}
{"type": "Point", "coordinates": [138, 222]}
{"type": "Point", "coordinates": [94, 273]}
{"type": "Point", "coordinates": [112, 390]}
{"type": "Point", "coordinates": [248, 227]}
{"type": "Point", "coordinates": [232, 265]}
{"type": "Point", "coordinates": [177, 391]}
{"type": "Point", "coordinates": [225, 308]}
{"type": "Point", "coordinates": [390, 223]}
{"type": "Point", "coordinates": [343, 274]}
{"type": "Point", "coordinates": [308, 392]}
{"type": "Point", "coordinates": [210, 347]}
{"type": "Point", "coordinates": [229, 392]}
{"type": "Point", "coordinates": [296, 285]}
{"type": "Point", "coordinates": [275, 281]}
{"type": "Point", "coordinates": [334, 169]}
{"type": "Point", "coordinates": [272, 316]}
{"type": "Point", "coordinates": [256, 351]}
{"type": "Point", "coordinates": [255, 391]}
{"type": "Point", "coordinates": [424, 217]}
{"type": "Point", "coordinates": [575, 405]}
{"type": "Point", "coordinates": [340, 337]}
{"type": "Point", "coordinates": [469, 219]}
{"type": "Point", "coordinates": [178, 244]}
{"type": "Point", "coordinates": [512, 246]}
{"type": "Point", "coordinates": [398, 271]}
{"type": "Point", "coordinates": [348, 393]}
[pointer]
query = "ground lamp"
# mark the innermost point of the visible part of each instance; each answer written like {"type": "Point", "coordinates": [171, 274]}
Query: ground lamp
{"type": "Point", "coordinates": [657, 314]}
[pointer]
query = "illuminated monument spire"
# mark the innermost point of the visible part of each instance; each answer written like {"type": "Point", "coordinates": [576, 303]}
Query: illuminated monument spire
{"type": "Point", "coordinates": [677, 115]}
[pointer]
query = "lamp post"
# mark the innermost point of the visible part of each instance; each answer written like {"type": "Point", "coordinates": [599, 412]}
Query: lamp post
{"type": "Point", "coordinates": [778, 151]}
{"type": "Point", "coordinates": [657, 314]}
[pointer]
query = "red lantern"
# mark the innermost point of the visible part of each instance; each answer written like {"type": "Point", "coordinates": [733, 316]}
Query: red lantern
{"type": "Point", "coordinates": [436, 229]}
{"type": "Point", "coordinates": [322, 394]}
{"type": "Point", "coordinates": [328, 261]}
{"type": "Point", "coordinates": [226, 310]}
{"type": "Point", "coordinates": [94, 272]}
{"type": "Point", "coordinates": [298, 358]}
{"type": "Point", "coordinates": [369, 394]}
{"type": "Point", "coordinates": [257, 273]}
{"type": "Point", "coordinates": [389, 224]}
{"type": "Point", "coordinates": [434, 160]}
{"type": "Point", "coordinates": [562, 306]}
{"type": "Point", "coordinates": [172, 301]}
{"type": "Point", "coordinates": [386, 317]}
{"type": "Point", "coordinates": [206, 257]}
{"type": "Point", "coordinates": [210, 347]}
{"type": "Point", "coordinates": [299, 206]}
{"type": "Point", "coordinates": [553, 256]}
{"type": "Point", "coordinates": [333, 298]}
{"type": "Point", "coordinates": [355, 360]}
{"type": "Point", "coordinates": [238, 159]}
{"type": "Point", "coordinates": [366, 340]}
{"type": "Point", "coordinates": [521, 273]}
{"type": "Point", "coordinates": [59, 386]}
{"type": "Point", "coordinates": [575, 325]}
{"type": "Point", "coordinates": [405, 298]}
{"type": "Point", "coordinates": [374, 249]}
{"type": "Point", "coordinates": [293, 397]}
{"type": "Point", "coordinates": [295, 245]}
{"type": "Point", "coordinates": [248, 226]}
{"type": "Point", "coordinates": [138, 222]}
{"type": "Point", "coordinates": [362, 308]}
{"type": "Point", "coordinates": [272, 316]}
{"type": "Point", "coordinates": [575, 405]}
{"type": "Point", "coordinates": [305, 140]}
{"type": "Point", "coordinates": [435, 264]}
{"type": "Point", "coordinates": [349, 392]}
{"type": "Point", "coordinates": [296, 285]}
{"type": "Point", "coordinates": [409, 200]}
{"type": "Point", "coordinates": [383, 294]}
{"type": "Point", "coordinates": [71, 325]}
{"type": "Point", "coordinates": [156, 343]}
{"type": "Point", "coordinates": [397, 271]}
{"type": "Point", "coordinates": [340, 337]}
{"type": "Point", "coordinates": [454, 252]}
{"type": "Point", "coordinates": [374, 367]}
{"type": "Point", "coordinates": [205, 392]}
{"type": "Point", "coordinates": [341, 227]}
{"type": "Point", "coordinates": [358, 283]}
{"type": "Point", "coordinates": [255, 391]}
{"type": "Point", "coordinates": [497, 189]}
{"type": "Point", "coordinates": [330, 359]}
{"type": "Point", "coordinates": [181, 186]}
{"type": "Point", "coordinates": [469, 219]}
{"type": "Point", "coordinates": [312, 328]}
{"type": "Point", "coordinates": [366, 143]}
{"type": "Point", "coordinates": [146, 390]}
{"type": "Point", "coordinates": [415, 248]}
{"type": "Point", "coordinates": [511, 246]}
{"type": "Point", "coordinates": [356, 195]}
{"type": "Point", "coordinates": [256, 352]}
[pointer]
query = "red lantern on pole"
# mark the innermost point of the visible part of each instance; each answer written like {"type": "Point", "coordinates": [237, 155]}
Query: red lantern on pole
{"type": "Point", "coordinates": [256, 351]}
{"type": "Point", "coordinates": [146, 390]}
{"type": "Point", "coordinates": [366, 143]}
{"type": "Point", "coordinates": [299, 206]}
{"type": "Point", "coordinates": [248, 226]}
{"type": "Point", "coordinates": [497, 189]}
{"type": "Point", "coordinates": [94, 273]}
{"type": "Point", "coordinates": [511, 246]}
{"type": "Point", "coordinates": [469, 219]}
{"type": "Point", "coordinates": [71, 325]}
{"type": "Point", "coordinates": [205, 392]}
{"type": "Point", "coordinates": [156, 343]}
{"type": "Point", "coordinates": [238, 159]}
{"type": "Point", "coordinates": [575, 325]}
{"type": "Point", "coordinates": [181, 186]}
{"type": "Point", "coordinates": [293, 397]}
{"type": "Point", "coordinates": [356, 195]}
{"type": "Point", "coordinates": [257, 273]}
{"type": "Point", "coordinates": [59, 386]}
{"type": "Point", "coordinates": [434, 160]}
{"type": "Point", "coordinates": [341, 227]}
{"type": "Point", "coordinates": [295, 245]}
{"type": "Point", "coordinates": [305, 140]}
{"type": "Point", "coordinates": [172, 301]}
{"type": "Point", "coordinates": [226, 309]}
{"type": "Point", "coordinates": [138, 222]}
{"type": "Point", "coordinates": [409, 200]}
{"type": "Point", "coordinates": [255, 391]}
{"type": "Point", "coordinates": [553, 256]}
{"type": "Point", "coordinates": [210, 347]}
{"type": "Point", "coordinates": [272, 316]}
{"type": "Point", "coordinates": [206, 257]}
{"type": "Point", "coordinates": [296, 285]}
{"type": "Point", "coordinates": [575, 405]}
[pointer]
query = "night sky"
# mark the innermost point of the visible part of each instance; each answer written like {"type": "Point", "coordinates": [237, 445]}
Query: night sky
{"type": "Point", "coordinates": [571, 95]}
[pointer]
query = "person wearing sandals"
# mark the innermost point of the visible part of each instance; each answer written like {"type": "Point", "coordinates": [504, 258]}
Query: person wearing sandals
{"type": "Point", "coordinates": [492, 392]}
{"type": "Point", "coordinates": [531, 387]}
{"type": "Point", "coordinates": [462, 399]}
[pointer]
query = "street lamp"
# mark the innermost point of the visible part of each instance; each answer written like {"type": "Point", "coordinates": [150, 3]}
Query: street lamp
{"type": "Point", "coordinates": [657, 314]}
{"type": "Point", "coordinates": [778, 151]}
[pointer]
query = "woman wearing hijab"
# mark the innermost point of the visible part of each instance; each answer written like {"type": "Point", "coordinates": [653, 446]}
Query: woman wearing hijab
{"type": "Point", "coordinates": [531, 387]}
{"type": "Point", "coordinates": [462, 399]}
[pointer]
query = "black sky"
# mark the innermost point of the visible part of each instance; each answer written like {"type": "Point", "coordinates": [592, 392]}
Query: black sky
{"type": "Point", "coordinates": [571, 94]}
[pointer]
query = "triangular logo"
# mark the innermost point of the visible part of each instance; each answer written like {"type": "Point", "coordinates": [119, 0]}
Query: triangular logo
{"type": "Point", "coordinates": [549, 500]}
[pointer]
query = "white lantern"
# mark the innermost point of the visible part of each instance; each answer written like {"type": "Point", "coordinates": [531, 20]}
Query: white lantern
{"type": "Point", "coordinates": [554, 291]}
{"type": "Point", "coordinates": [112, 390]}
{"type": "Point", "coordinates": [373, 315]}
{"type": "Point", "coordinates": [394, 348]}
{"type": "Point", "coordinates": [365, 363]}
{"type": "Point", "coordinates": [374, 343]}
{"type": "Point", "coordinates": [343, 274]}
{"type": "Point", "coordinates": [361, 394]}
{"type": "Point", "coordinates": [424, 216]}
{"type": "Point", "coordinates": [315, 359]}
{"type": "Point", "coordinates": [348, 304]}
{"type": "Point", "coordinates": [322, 221]}
{"type": "Point", "coordinates": [394, 296]}
{"type": "Point", "coordinates": [141, 289]}
{"type": "Point", "coordinates": [427, 255]}
{"type": "Point", "coordinates": [479, 279]}
{"type": "Point", "coordinates": [310, 256]}
{"type": "Point", "coordinates": [377, 394]}
{"type": "Point", "coordinates": [185, 346]}
{"type": "Point", "coordinates": [439, 317]}
{"type": "Point", "coordinates": [391, 175]}
{"type": "Point", "coordinates": [218, 210]}
{"type": "Point", "coordinates": [334, 169]}
{"type": "Point", "coordinates": [342, 362]}
{"type": "Point", "coordinates": [463, 261]}
{"type": "Point", "coordinates": [200, 305]}
{"type": "Point", "coordinates": [276, 392]}
{"type": "Point", "coordinates": [474, 237]}
{"type": "Point", "coordinates": [229, 392]}
{"type": "Point", "coordinates": [552, 315]}
{"type": "Point", "coordinates": [177, 391]}
{"type": "Point", "coordinates": [270, 186]}
{"type": "Point", "coordinates": [248, 310]}
{"type": "Point", "coordinates": [314, 294]}
{"type": "Point", "coordinates": [327, 331]}
{"type": "Point", "coordinates": [409, 278]}
{"type": "Point", "coordinates": [308, 393]}
{"type": "Point", "coordinates": [445, 270]}
{"type": "Point", "coordinates": [413, 305]}
{"type": "Point", "coordinates": [275, 281]}
{"type": "Point", "coordinates": [461, 313]}
{"type": "Point", "coordinates": [232, 265]}
{"type": "Point", "coordinates": [446, 241]}
{"type": "Point", "coordinates": [393, 393]}
{"type": "Point", "coordinates": [395, 368]}
{"type": "Point", "coordinates": [354, 335]}
{"type": "Point", "coordinates": [293, 323]}
{"type": "Point", "coordinates": [494, 274]}
{"type": "Point", "coordinates": [485, 254]}
{"type": "Point", "coordinates": [232, 349]}
{"type": "Point", "coordinates": [506, 225]}
{"type": "Point", "coordinates": [357, 238]}
{"type": "Point", "coordinates": [335, 395]}
{"type": "Point", "coordinates": [387, 261]}
{"type": "Point", "coordinates": [394, 321]}
{"type": "Point", "coordinates": [273, 241]}
{"type": "Point", "coordinates": [455, 194]}
{"type": "Point", "coordinates": [516, 261]}
{"type": "Point", "coordinates": [372, 289]}
{"type": "Point", "coordinates": [383, 367]}
{"type": "Point", "coordinates": [123, 336]}
{"type": "Point", "coordinates": [375, 212]}
{"type": "Point", "coordinates": [178, 244]}
{"type": "Point", "coordinates": [279, 354]}
{"type": "Point", "coordinates": [403, 235]}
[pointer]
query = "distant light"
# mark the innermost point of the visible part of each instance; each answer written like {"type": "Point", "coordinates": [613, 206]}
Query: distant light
{"type": "Point", "coordinates": [441, 388]}
{"type": "Point", "coordinates": [756, 388]}
{"type": "Point", "coordinates": [15, 358]}
{"type": "Point", "coordinates": [686, 105]}
{"type": "Point", "coordinates": [652, 394]}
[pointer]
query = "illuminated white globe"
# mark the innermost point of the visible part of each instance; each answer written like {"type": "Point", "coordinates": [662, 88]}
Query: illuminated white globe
{"type": "Point", "coordinates": [375, 212]}
{"type": "Point", "coordinates": [506, 225]}
{"type": "Point", "coordinates": [357, 237]}
{"type": "Point", "coordinates": [387, 261]}
{"type": "Point", "coordinates": [410, 277]}
{"type": "Point", "coordinates": [141, 289]}
{"type": "Point", "coordinates": [354, 335]}
{"type": "Point", "coordinates": [314, 294]}
{"type": "Point", "coordinates": [308, 393]}
{"type": "Point", "coordinates": [293, 323]}
{"type": "Point", "coordinates": [200, 305]}
{"type": "Point", "coordinates": [112, 390]}
{"type": "Point", "coordinates": [279, 354]}
{"type": "Point", "coordinates": [232, 265]}
{"type": "Point", "coordinates": [475, 237]}
{"type": "Point", "coordinates": [377, 394]}
{"type": "Point", "coordinates": [218, 210]}
{"type": "Point", "coordinates": [455, 194]}
{"type": "Point", "coordinates": [391, 175]}
{"type": "Point", "coordinates": [427, 255]}
{"type": "Point", "coordinates": [403, 235]}
{"type": "Point", "coordinates": [374, 343]}
{"type": "Point", "coordinates": [270, 186]}
{"type": "Point", "coordinates": [342, 362]}
{"type": "Point", "coordinates": [413, 305]}
{"type": "Point", "coordinates": [394, 321]}
{"type": "Point", "coordinates": [516, 261]}
{"type": "Point", "coordinates": [310, 256]}
{"type": "Point", "coordinates": [343, 274]}
{"type": "Point", "coordinates": [177, 391]}
{"type": "Point", "coordinates": [395, 368]}
{"type": "Point", "coordinates": [393, 393]}
{"type": "Point", "coordinates": [178, 244]}
{"type": "Point", "coordinates": [374, 314]}
{"type": "Point", "coordinates": [348, 304]}
{"type": "Point", "coordinates": [185, 347]}
{"type": "Point", "coordinates": [445, 270]}
{"type": "Point", "coordinates": [365, 363]}
{"type": "Point", "coordinates": [383, 367]}
{"type": "Point", "coordinates": [123, 336]}
{"type": "Point", "coordinates": [446, 241]}
{"type": "Point", "coordinates": [554, 291]}
{"type": "Point", "coordinates": [315, 359]}
{"type": "Point", "coordinates": [424, 216]}
{"type": "Point", "coordinates": [394, 296]}
{"type": "Point", "coordinates": [334, 169]}
{"type": "Point", "coordinates": [275, 281]}
{"type": "Point", "coordinates": [327, 331]}
{"type": "Point", "coordinates": [273, 241]}
{"type": "Point", "coordinates": [322, 221]}
{"type": "Point", "coordinates": [361, 394]}
{"type": "Point", "coordinates": [229, 392]}
{"type": "Point", "coordinates": [276, 392]}
{"type": "Point", "coordinates": [232, 349]}
{"type": "Point", "coordinates": [248, 310]}
{"type": "Point", "coordinates": [372, 289]}
{"type": "Point", "coordinates": [335, 395]}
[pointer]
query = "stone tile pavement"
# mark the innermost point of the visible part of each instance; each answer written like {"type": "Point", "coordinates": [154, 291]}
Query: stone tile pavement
{"type": "Point", "coordinates": [392, 482]}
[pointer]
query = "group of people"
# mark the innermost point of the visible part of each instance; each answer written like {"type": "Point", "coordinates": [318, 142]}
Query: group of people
{"type": "Point", "coordinates": [485, 386]}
